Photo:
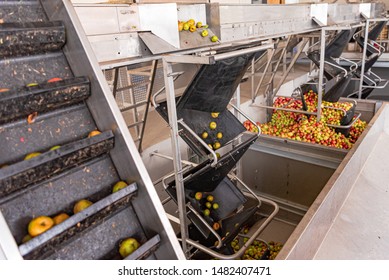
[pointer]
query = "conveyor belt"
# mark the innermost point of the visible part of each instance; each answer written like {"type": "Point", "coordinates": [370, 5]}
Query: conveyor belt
{"type": "Point", "coordinates": [36, 114]}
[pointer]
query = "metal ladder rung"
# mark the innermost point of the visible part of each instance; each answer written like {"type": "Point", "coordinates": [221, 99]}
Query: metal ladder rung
{"type": "Point", "coordinates": [135, 124]}
{"type": "Point", "coordinates": [136, 105]}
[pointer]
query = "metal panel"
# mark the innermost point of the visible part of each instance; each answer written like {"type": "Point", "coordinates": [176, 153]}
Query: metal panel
{"type": "Point", "coordinates": [288, 179]}
{"type": "Point", "coordinates": [336, 193]}
{"type": "Point", "coordinates": [161, 19]}
{"type": "Point", "coordinates": [115, 46]}
{"type": "Point", "coordinates": [107, 19]}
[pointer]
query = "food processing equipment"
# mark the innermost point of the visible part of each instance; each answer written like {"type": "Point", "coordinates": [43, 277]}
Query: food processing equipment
{"type": "Point", "coordinates": [134, 36]}
{"type": "Point", "coordinates": [41, 40]}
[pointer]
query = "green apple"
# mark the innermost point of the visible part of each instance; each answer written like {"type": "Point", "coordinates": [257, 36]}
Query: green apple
{"type": "Point", "coordinates": [214, 38]}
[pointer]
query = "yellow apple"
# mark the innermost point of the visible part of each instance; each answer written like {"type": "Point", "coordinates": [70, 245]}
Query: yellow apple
{"type": "Point", "coordinates": [31, 155]}
{"type": "Point", "coordinates": [118, 186]}
{"type": "Point", "coordinates": [204, 135]}
{"type": "Point", "coordinates": [191, 22]}
{"type": "Point", "coordinates": [180, 26]}
{"type": "Point", "coordinates": [128, 246]}
{"type": "Point", "coordinates": [81, 205]}
{"type": "Point", "coordinates": [215, 114]}
{"type": "Point", "coordinates": [216, 145]}
{"type": "Point", "coordinates": [26, 238]}
{"type": "Point", "coordinates": [93, 133]}
{"type": "Point", "coordinates": [212, 125]}
{"type": "Point", "coordinates": [60, 218]}
{"type": "Point", "coordinates": [55, 147]}
{"type": "Point", "coordinates": [39, 225]}
{"type": "Point", "coordinates": [219, 135]}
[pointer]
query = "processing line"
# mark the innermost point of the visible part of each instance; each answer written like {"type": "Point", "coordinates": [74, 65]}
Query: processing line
{"type": "Point", "coordinates": [54, 95]}
{"type": "Point", "coordinates": [132, 36]}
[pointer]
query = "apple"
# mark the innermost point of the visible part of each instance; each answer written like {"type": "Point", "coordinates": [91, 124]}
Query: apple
{"type": "Point", "coordinates": [219, 135]}
{"type": "Point", "coordinates": [93, 133]}
{"type": "Point", "coordinates": [216, 145]}
{"type": "Point", "coordinates": [206, 212]}
{"type": "Point", "coordinates": [186, 26]}
{"type": "Point", "coordinates": [212, 125]}
{"type": "Point", "coordinates": [216, 226]}
{"type": "Point", "coordinates": [215, 206]}
{"type": "Point", "coordinates": [32, 84]}
{"type": "Point", "coordinates": [214, 39]}
{"type": "Point", "coordinates": [39, 225]}
{"type": "Point", "coordinates": [199, 24]}
{"type": "Point", "coordinates": [191, 22]}
{"type": "Point", "coordinates": [204, 135]}
{"type": "Point", "coordinates": [192, 28]}
{"type": "Point", "coordinates": [214, 115]}
{"type": "Point", "coordinates": [128, 246]}
{"type": "Point", "coordinates": [210, 198]}
{"type": "Point", "coordinates": [118, 186]}
{"type": "Point", "coordinates": [210, 146]}
{"type": "Point", "coordinates": [208, 204]}
{"type": "Point", "coordinates": [81, 205]}
{"type": "Point", "coordinates": [32, 155]}
{"type": "Point", "coordinates": [299, 127]}
{"type": "Point", "coordinates": [4, 90]}
{"type": "Point", "coordinates": [26, 238]}
{"type": "Point", "coordinates": [52, 80]}
{"type": "Point", "coordinates": [180, 26]}
{"type": "Point", "coordinates": [60, 218]}
{"type": "Point", "coordinates": [55, 147]}
{"type": "Point", "coordinates": [204, 33]}
{"type": "Point", "coordinates": [198, 196]}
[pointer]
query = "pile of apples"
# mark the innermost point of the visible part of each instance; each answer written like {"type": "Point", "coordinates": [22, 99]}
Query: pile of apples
{"type": "Point", "coordinates": [306, 128]}
{"type": "Point", "coordinates": [192, 26]}
{"type": "Point", "coordinates": [257, 250]}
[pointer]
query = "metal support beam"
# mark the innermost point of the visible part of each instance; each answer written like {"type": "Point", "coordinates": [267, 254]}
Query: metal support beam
{"type": "Point", "coordinates": [364, 50]}
{"type": "Point", "coordinates": [321, 72]}
{"type": "Point", "coordinates": [154, 66]}
{"type": "Point", "coordinates": [172, 114]}
{"type": "Point", "coordinates": [287, 71]}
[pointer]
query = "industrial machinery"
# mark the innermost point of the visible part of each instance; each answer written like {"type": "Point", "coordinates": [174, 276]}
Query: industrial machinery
{"type": "Point", "coordinates": [193, 82]}
{"type": "Point", "coordinates": [54, 95]}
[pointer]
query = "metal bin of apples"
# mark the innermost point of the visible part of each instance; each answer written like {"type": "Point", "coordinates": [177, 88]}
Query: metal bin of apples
{"type": "Point", "coordinates": [305, 128]}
